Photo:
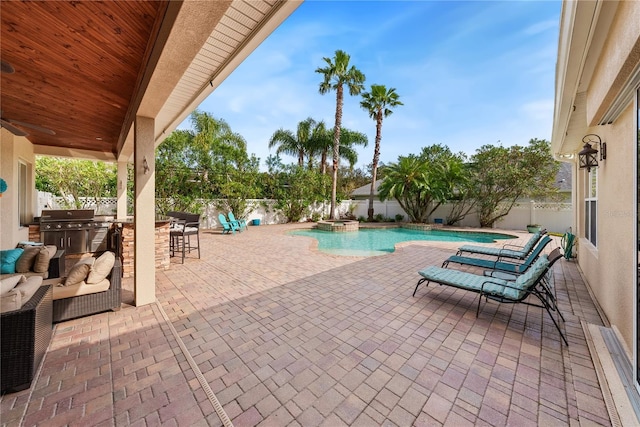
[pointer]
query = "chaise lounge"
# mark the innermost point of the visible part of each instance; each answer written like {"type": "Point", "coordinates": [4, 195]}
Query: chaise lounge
{"type": "Point", "coordinates": [507, 251]}
{"type": "Point", "coordinates": [532, 283]}
{"type": "Point", "coordinates": [509, 267]}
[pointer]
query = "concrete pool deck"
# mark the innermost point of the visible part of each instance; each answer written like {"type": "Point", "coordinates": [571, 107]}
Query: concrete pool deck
{"type": "Point", "coordinates": [280, 334]}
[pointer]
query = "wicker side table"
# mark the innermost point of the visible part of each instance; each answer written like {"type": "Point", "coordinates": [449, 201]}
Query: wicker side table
{"type": "Point", "coordinates": [26, 334]}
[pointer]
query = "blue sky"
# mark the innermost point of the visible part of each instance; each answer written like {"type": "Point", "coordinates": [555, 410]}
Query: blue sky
{"type": "Point", "coordinates": [468, 73]}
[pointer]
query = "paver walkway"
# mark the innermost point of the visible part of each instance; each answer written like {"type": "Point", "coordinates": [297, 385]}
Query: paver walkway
{"type": "Point", "coordinates": [284, 335]}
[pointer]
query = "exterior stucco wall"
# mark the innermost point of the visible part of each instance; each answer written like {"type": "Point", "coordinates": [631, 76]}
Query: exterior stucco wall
{"type": "Point", "coordinates": [619, 57]}
{"type": "Point", "coordinates": [12, 150]}
{"type": "Point", "coordinates": [610, 267]}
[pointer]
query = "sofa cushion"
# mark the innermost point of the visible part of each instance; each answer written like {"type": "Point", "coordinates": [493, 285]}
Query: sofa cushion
{"type": "Point", "coordinates": [27, 274]}
{"type": "Point", "coordinates": [29, 287]}
{"type": "Point", "coordinates": [10, 282]}
{"type": "Point", "coordinates": [8, 260]}
{"type": "Point", "coordinates": [60, 291]}
{"type": "Point", "coordinates": [10, 301]}
{"type": "Point", "coordinates": [101, 268]}
{"type": "Point", "coordinates": [77, 274]}
{"type": "Point", "coordinates": [27, 259]}
{"type": "Point", "coordinates": [41, 264]}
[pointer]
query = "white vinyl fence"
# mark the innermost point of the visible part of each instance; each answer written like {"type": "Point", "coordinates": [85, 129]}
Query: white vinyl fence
{"type": "Point", "coordinates": [555, 217]}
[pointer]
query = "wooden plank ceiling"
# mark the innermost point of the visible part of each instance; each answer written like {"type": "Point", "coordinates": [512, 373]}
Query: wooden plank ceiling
{"type": "Point", "coordinates": [77, 67]}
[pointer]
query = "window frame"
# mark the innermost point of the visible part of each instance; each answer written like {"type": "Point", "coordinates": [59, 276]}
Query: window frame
{"type": "Point", "coordinates": [591, 206]}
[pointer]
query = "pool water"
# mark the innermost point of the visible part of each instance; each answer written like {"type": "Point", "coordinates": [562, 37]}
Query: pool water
{"type": "Point", "coordinates": [372, 242]}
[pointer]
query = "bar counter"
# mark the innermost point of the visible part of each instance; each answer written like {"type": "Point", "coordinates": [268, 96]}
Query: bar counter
{"type": "Point", "coordinates": [128, 250]}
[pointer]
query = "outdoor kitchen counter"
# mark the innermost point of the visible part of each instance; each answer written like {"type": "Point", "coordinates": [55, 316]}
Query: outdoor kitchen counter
{"type": "Point", "coordinates": [128, 250]}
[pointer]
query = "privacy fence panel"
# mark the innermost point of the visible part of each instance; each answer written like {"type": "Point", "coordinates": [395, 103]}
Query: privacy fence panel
{"type": "Point", "coordinates": [555, 217]}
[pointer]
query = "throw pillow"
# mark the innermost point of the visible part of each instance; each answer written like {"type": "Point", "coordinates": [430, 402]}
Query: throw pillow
{"type": "Point", "coordinates": [77, 274]}
{"type": "Point", "coordinates": [88, 260]}
{"type": "Point", "coordinates": [8, 260]}
{"type": "Point", "coordinates": [101, 268]}
{"type": "Point", "coordinates": [27, 259]}
{"type": "Point", "coordinates": [9, 283]}
{"type": "Point", "coordinates": [41, 264]}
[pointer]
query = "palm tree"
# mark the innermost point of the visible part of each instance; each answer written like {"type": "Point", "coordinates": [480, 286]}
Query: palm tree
{"type": "Point", "coordinates": [409, 182]}
{"type": "Point", "coordinates": [323, 142]}
{"type": "Point", "coordinates": [295, 145]}
{"type": "Point", "coordinates": [349, 138]}
{"type": "Point", "coordinates": [336, 74]}
{"type": "Point", "coordinates": [379, 103]}
{"type": "Point", "coordinates": [319, 144]}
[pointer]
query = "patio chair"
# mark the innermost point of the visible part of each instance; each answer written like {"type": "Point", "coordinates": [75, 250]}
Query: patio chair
{"type": "Point", "coordinates": [507, 250]}
{"type": "Point", "coordinates": [510, 267]}
{"type": "Point", "coordinates": [183, 226]}
{"type": "Point", "coordinates": [239, 222]}
{"type": "Point", "coordinates": [227, 227]}
{"type": "Point", "coordinates": [532, 283]}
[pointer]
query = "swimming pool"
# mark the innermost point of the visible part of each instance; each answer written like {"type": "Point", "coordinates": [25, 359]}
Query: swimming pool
{"type": "Point", "coordinates": [380, 241]}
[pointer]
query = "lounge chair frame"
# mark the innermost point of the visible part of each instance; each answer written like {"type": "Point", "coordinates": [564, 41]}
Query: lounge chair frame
{"type": "Point", "coordinates": [540, 288]}
{"type": "Point", "coordinates": [507, 251]}
{"type": "Point", "coordinates": [510, 266]}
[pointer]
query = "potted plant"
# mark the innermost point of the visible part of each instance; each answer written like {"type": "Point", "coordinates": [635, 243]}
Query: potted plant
{"type": "Point", "coordinates": [533, 228]}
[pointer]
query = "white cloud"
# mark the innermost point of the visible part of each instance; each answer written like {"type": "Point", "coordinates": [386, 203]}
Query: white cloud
{"type": "Point", "coordinates": [540, 27]}
{"type": "Point", "coordinates": [468, 73]}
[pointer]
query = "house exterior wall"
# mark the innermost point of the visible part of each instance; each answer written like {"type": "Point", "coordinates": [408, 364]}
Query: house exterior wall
{"type": "Point", "coordinates": [597, 79]}
{"type": "Point", "coordinates": [609, 267]}
{"type": "Point", "coordinates": [13, 150]}
{"type": "Point", "coordinates": [620, 55]}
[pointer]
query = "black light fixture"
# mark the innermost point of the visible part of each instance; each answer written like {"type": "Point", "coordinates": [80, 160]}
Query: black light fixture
{"type": "Point", "coordinates": [587, 157]}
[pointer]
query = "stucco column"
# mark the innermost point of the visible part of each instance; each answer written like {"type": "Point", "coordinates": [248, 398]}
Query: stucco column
{"type": "Point", "coordinates": [122, 190]}
{"type": "Point", "coordinates": [144, 212]}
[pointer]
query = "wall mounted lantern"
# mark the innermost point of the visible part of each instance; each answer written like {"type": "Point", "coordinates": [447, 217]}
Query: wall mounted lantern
{"type": "Point", "coordinates": [588, 156]}
{"type": "Point", "coordinates": [145, 165]}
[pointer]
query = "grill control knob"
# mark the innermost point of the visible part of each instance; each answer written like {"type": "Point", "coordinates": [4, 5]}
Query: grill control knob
{"type": "Point", "coordinates": [58, 226]}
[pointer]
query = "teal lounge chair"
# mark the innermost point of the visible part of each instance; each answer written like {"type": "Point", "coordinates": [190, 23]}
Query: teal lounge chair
{"type": "Point", "coordinates": [532, 283]}
{"type": "Point", "coordinates": [510, 267]}
{"type": "Point", "coordinates": [239, 222]}
{"type": "Point", "coordinates": [227, 227]}
{"type": "Point", "coordinates": [507, 251]}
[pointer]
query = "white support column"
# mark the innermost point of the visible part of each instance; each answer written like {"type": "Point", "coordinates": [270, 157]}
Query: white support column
{"type": "Point", "coordinates": [122, 190]}
{"type": "Point", "coordinates": [144, 212]}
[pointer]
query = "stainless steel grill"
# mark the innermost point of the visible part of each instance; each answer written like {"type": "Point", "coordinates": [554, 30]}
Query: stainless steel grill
{"type": "Point", "coordinates": [74, 230]}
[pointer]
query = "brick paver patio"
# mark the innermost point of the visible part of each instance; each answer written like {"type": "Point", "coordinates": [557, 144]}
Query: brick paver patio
{"type": "Point", "coordinates": [280, 334]}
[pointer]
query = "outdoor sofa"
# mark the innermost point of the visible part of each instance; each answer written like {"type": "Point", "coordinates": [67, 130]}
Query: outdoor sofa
{"type": "Point", "coordinates": [96, 287]}
{"type": "Point", "coordinates": [26, 333]}
{"type": "Point", "coordinates": [33, 260]}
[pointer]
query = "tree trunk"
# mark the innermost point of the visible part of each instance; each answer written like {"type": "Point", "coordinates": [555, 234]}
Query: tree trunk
{"type": "Point", "coordinates": [374, 167]}
{"type": "Point", "coordinates": [323, 166]}
{"type": "Point", "coordinates": [336, 150]}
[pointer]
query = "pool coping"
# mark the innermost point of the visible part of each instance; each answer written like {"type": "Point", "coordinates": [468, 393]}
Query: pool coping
{"type": "Point", "coordinates": [314, 244]}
